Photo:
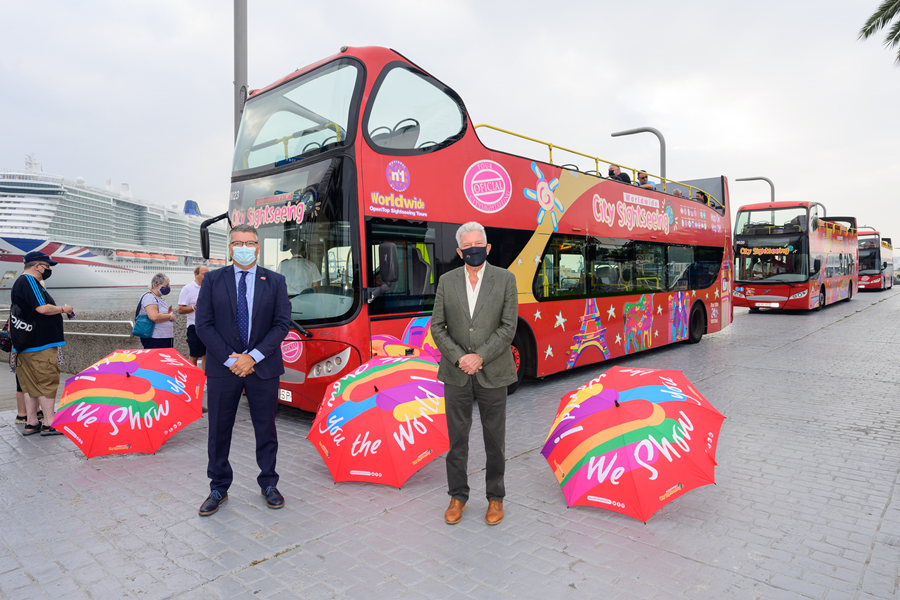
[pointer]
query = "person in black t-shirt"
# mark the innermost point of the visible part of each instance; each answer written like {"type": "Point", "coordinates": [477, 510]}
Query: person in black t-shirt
{"type": "Point", "coordinates": [616, 174]}
{"type": "Point", "coordinates": [36, 364]}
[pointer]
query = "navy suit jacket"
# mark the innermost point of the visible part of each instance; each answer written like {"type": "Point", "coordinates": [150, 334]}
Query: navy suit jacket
{"type": "Point", "coordinates": [216, 321]}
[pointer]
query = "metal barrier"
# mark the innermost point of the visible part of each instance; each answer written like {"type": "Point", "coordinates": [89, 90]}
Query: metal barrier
{"type": "Point", "coordinates": [119, 335]}
{"type": "Point", "coordinates": [691, 189]}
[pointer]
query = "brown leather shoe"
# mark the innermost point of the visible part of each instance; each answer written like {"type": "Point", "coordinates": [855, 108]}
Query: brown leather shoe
{"type": "Point", "coordinates": [454, 512]}
{"type": "Point", "coordinates": [494, 513]}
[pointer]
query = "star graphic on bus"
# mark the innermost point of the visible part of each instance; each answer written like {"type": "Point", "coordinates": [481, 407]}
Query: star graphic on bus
{"type": "Point", "coordinates": [560, 321]}
{"type": "Point", "coordinates": [618, 339]}
{"type": "Point", "coordinates": [537, 258]}
{"type": "Point", "coordinates": [717, 292]}
{"type": "Point", "coordinates": [611, 313]}
{"type": "Point", "coordinates": [659, 309]}
{"type": "Point", "coordinates": [548, 352]}
{"type": "Point", "coordinates": [519, 263]}
{"type": "Point", "coordinates": [543, 195]}
{"type": "Point", "coordinates": [537, 314]}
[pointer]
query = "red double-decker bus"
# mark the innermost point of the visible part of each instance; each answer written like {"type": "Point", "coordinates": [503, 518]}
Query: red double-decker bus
{"type": "Point", "coordinates": [358, 170]}
{"type": "Point", "coordinates": [876, 260]}
{"type": "Point", "coordinates": [791, 255]}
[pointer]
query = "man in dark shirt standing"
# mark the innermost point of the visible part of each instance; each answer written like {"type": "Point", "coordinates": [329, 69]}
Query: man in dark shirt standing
{"type": "Point", "coordinates": [39, 319]}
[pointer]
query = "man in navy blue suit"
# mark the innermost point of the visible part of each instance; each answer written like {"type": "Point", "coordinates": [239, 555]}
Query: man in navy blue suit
{"type": "Point", "coordinates": [243, 314]}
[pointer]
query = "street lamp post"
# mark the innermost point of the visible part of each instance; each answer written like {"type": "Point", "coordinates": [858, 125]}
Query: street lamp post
{"type": "Point", "coordinates": [662, 144]}
{"type": "Point", "coordinates": [240, 61]}
{"type": "Point", "coordinates": [766, 179]}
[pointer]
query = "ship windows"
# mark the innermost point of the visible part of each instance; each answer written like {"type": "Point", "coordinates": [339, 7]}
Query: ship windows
{"type": "Point", "coordinates": [412, 113]}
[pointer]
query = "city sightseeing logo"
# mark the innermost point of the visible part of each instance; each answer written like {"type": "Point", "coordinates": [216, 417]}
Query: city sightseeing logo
{"type": "Point", "coordinates": [487, 186]}
{"type": "Point", "coordinates": [397, 176]}
{"type": "Point", "coordinates": [672, 491]}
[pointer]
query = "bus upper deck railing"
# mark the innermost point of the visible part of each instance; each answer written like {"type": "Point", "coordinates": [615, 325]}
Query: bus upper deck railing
{"type": "Point", "coordinates": [691, 189]}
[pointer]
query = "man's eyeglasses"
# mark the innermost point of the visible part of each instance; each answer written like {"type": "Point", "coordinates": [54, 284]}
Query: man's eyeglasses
{"type": "Point", "coordinates": [248, 244]}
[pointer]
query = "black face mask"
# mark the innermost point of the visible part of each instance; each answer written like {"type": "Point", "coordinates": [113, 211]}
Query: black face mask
{"type": "Point", "coordinates": [475, 256]}
{"type": "Point", "coordinates": [611, 174]}
{"type": "Point", "coordinates": [46, 274]}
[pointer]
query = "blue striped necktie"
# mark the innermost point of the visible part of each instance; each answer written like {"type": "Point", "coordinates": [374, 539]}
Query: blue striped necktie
{"type": "Point", "coordinates": [243, 314]}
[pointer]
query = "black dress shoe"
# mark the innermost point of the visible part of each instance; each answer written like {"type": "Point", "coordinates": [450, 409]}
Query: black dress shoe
{"type": "Point", "coordinates": [212, 502]}
{"type": "Point", "coordinates": [274, 499]}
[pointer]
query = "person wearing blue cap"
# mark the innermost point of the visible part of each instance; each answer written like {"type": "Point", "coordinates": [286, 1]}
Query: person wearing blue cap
{"type": "Point", "coordinates": [37, 333]}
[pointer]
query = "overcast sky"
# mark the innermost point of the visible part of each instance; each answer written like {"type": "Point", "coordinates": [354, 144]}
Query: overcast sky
{"type": "Point", "coordinates": [141, 91]}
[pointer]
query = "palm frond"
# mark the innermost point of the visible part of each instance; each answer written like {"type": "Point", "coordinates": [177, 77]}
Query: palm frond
{"type": "Point", "coordinates": [880, 19]}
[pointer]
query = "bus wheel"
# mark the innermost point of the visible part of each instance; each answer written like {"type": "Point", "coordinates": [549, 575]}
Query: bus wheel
{"type": "Point", "coordinates": [754, 309]}
{"type": "Point", "coordinates": [518, 351]}
{"type": "Point", "coordinates": [821, 299]}
{"type": "Point", "coordinates": [849, 294]}
{"type": "Point", "coordinates": [696, 323]}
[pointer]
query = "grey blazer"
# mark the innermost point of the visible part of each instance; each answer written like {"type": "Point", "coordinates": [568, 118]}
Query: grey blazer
{"type": "Point", "coordinates": [489, 332]}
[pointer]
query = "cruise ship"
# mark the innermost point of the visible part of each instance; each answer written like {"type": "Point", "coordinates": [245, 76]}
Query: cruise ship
{"type": "Point", "coordinates": [101, 238]}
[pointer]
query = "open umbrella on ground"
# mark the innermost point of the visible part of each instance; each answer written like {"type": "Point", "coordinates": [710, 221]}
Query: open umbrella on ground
{"type": "Point", "coordinates": [130, 401]}
{"type": "Point", "coordinates": [382, 422]}
{"type": "Point", "coordinates": [631, 440]}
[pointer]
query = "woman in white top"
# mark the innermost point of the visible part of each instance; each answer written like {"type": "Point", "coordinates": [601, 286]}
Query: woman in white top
{"type": "Point", "coordinates": [153, 305]}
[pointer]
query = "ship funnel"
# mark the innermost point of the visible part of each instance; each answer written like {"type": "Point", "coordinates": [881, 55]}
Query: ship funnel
{"type": "Point", "coordinates": [126, 190]}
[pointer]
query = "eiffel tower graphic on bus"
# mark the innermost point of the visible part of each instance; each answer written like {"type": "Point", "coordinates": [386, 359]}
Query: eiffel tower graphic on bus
{"type": "Point", "coordinates": [591, 335]}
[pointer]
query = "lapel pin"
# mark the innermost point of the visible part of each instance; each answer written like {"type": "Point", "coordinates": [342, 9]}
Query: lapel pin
{"type": "Point", "coordinates": [263, 278]}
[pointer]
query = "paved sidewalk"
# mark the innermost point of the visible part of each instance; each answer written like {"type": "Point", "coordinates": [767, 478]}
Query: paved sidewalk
{"type": "Point", "coordinates": [806, 505]}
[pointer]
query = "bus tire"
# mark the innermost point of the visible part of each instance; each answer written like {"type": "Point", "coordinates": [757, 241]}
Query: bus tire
{"type": "Point", "coordinates": [519, 357]}
{"type": "Point", "coordinates": [696, 323]}
{"type": "Point", "coordinates": [849, 293]}
{"type": "Point", "coordinates": [821, 303]}
{"type": "Point", "coordinates": [754, 309]}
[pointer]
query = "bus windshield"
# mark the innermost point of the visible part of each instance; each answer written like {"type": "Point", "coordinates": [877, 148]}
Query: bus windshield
{"type": "Point", "coordinates": [296, 120]}
{"type": "Point", "coordinates": [772, 260]}
{"type": "Point", "coordinates": [303, 218]}
{"type": "Point", "coordinates": [772, 221]}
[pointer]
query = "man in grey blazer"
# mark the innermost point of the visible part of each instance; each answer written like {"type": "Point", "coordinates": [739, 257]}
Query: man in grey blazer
{"type": "Point", "coordinates": [473, 324]}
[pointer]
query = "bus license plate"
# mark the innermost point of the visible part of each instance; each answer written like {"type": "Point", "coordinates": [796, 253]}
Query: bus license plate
{"type": "Point", "coordinates": [284, 395]}
{"type": "Point", "coordinates": [763, 304]}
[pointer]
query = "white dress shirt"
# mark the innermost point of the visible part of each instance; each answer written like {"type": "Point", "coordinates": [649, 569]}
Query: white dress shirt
{"type": "Point", "coordinates": [472, 294]}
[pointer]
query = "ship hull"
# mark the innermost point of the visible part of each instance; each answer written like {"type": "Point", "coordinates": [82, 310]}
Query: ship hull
{"type": "Point", "coordinates": [84, 267]}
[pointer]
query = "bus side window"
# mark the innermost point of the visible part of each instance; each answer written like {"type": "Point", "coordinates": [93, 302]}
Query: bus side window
{"type": "Point", "coordinates": [415, 286]}
{"type": "Point", "coordinates": [707, 263]}
{"type": "Point", "coordinates": [561, 273]}
{"type": "Point", "coordinates": [611, 267]}
{"type": "Point", "coordinates": [650, 267]}
{"type": "Point", "coordinates": [679, 267]}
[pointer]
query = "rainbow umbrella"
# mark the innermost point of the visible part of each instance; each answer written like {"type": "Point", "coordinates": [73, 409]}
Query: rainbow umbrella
{"type": "Point", "coordinates": [382, 422]}
{"type": "Point", "coordinates": [631, 440]}
{"type": "Point", "coordinates": [130, 401]}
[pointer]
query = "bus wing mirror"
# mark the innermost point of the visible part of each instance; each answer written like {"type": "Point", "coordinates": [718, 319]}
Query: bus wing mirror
{"type": "Point", "coordinates": [817, 265]}
{"type": "Point", "coordinates": [204, 233]}
{"type": "Point", "coordinates": [884, 265]}
{"type": "Point", "coordinates": [387, 262]}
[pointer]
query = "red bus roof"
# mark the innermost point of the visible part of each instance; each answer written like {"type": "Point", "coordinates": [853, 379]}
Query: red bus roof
{"type": "Point", "coordinates": [374, 57]}
{"type": "Point", "coordinates": [771, 205]}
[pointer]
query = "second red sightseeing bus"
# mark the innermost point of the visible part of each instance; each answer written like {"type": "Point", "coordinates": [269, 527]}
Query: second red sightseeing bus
{"type": "Point", "coordinates": [876, 261]}
{"type": "Point", "coordinates": [790, 255]}
{"type": "Point", "coordinates": [363, 161]}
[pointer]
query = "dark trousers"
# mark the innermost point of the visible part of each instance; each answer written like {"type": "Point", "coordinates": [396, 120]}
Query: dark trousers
{"type": "Point", "coordinates": [492, 408]}
{"type": "Point", "coordinates": [223, 396]}
{"type": "Point", "coordinates": [149, 343]}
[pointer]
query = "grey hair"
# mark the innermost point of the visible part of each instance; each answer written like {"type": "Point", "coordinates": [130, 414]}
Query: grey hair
{"type": "Point", "coordinates": [468, 228]}
{"type": "Point", "coordinates": [33, 263]}
{"type": "Point", "coordinates": [158, 279]}
{"type": "Point", "coordinates": [244, 228]}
